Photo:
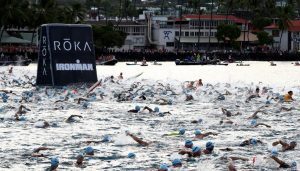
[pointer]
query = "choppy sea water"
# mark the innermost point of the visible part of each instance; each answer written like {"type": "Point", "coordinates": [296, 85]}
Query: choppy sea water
{"type": "Point", "coordinates": [109, 117]}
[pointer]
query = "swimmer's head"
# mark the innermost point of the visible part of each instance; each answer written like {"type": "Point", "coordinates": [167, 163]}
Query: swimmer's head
{"type": "Point", "coordinates": [54, 162]}
{"type": "Point", "coordinates": [274, 152]}
{"type": "Point", "coordinates": [131, 155]}
{"type": "Point", "coordinates": [22, 118]}
{"type": "Point", "coordinates": [197, 132]}
{"type": "Point", "coordinates": [176, 163]}
{"type": "Point", "coordinates": [293, 143]}
{"type": "Point", "coordinates": [294, 164]}
{"type": "Point", "coordinates": [209, 145]}
{"type": "Point", "coordinates": [170, 102]}
{"type": "Point", "coordinates": [221, 97]}
{"type": "Point", "coordinates": [89, 150]}
{"type": "Point", "coordinates": [253, 122]}
{"type": "Point", "coordinates": [196, 149]}
{"type": "Point", "coordinates": [156, 109]}
{"type": "Point", "coordinates": [106, 138]}
{"type": "Point", "coordinates": [163, 167]}
{"type": "Point", "coordinates": [253, 141]}
{"type": "Point", "coordinates": [268, 102]}
{"type": "Point", "coordinates": [188, 144]}
{"type": "Point", "coordinates": [85, 105]}
{"type": "Point", "coordinates": [200, 120]}
{"type": "Point", "coordinates": [181, 131]}
{"type": "Point", "coordinates": [79, 158]}
{"type": "Point", "coordinates": [138, 108]}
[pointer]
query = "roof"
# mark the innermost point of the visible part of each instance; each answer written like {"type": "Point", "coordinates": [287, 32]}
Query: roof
{"type": "Point", "coordinates": [272, 26]}
{"type": "Point", "coordinates": [214, 17]}
{"type": "Point", "coordinates": [14, 40]}
{"type": "Point", "coordinates": [294, 25]}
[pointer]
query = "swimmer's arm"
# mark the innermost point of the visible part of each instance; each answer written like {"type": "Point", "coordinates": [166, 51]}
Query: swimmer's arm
{"type": "Point", "coordinates": [183, 152]}
{"type": "Point", "coordinates": [283, 143]}
{"type": "Point", "coordinates": [138, 140]}
{"type": "Point", "coordinates": [41, 148]}
{"type": "Point", "coordinates": [239, 158]}
{"type": "Point", "coordinates": [209, 133]}
{"type": "Point", "coordinates": [263, 125]}
{"type": "Point", "coordinates": [278, 161]}
{"type": "Point", "coordinates": [148, 108]}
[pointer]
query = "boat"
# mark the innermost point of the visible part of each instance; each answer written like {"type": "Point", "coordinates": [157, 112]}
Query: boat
{"type": "Point", "coordinates": [208, 62]}
{"type": "Point", "coordinates": [144, 65]}
{"type": "Point", "coordinates": [132, 64]}
{"type": "Point", "coordinates": [109, 62]}
{"type": "Point", "coordinates": [241, 64]}
{"type": "Point", "coordinates": [24, 62]}
{"type": "Point", "coordinates": [157, 64]}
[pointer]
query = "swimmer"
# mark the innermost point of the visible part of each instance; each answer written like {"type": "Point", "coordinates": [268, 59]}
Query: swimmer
{"type": "Point", "coordinates": [199, 83]}
{"type": "Point", "coordinates": [138, 140]}
{"type": "Point", "coordinates": [254, 124]}
{"type": "Point", "coordinates": [42, 124]}
{"type": "Point", "coordinates": [255, 95]}
{"type": "Point", "coordinates": [120, 77]}
{"type": "Point", "coordinates": [209, 147]}
{"type": "Point", "coordinates": [200, 135]}
{"type": "Point", "coordinates": [21, 111]}
{"type": "Point", "coordinates": [163, 101]}
{"type": "Point", "coordinates": [286, 146]}
{"type": "Point", "coordinates": [105, 139]}
{"type": "Point", "coordinates": [288, 97]}
{"type": "Point", "coordinates": [195, 152]}
{"type": "Point", "coordinates": [226, 121]}
{"type": "Point", "coordinates": [189, 97]}
{"type": "Point", "coordinates": [36, 151]}
{"type": "Point", "coordinates": [54, 164]}
{"type": "Point", "coordinates": [231, 166]}
{"type": "Point", "coordinates": [176, 163]}
{"type": "Point", "coordinates": [89, 151]}
{"type": "Point", "coordinates": [163, 167]}
{"type": "Point", "coordinates": [251, 141]}
{"type": "Point", "coordinates": [135, 110]}
{"type": "Point", "coordinates": [71, 118]}
{"type": "Point", "coordinates": [228, 113]}
{"type": "Point", "coordinates": [79, 161]}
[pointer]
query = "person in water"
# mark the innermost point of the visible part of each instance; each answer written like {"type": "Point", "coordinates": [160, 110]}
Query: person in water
{"type": "Point", "coordinates": [252, 96]}
{"type": "Point", "coordinates": [135, 110]}
{"type": "Point", "coordinates": [120, 77]}
{"type": "Point", "coordinates": [286, 146]}
{"type": "Point", "coordinates": [36, 151]}
{"type": "Point", "coordinates": [200, 135]}
{"type": "Point", "coordinates": [228, 113]}
{"type": "Point", "coordinates": [195, 152]}
{"type": "Point", "coordinates": [71, 118]}
{"type": "Point", "coordinates": [199, 83]}
{"type": "Point", "coordinates": [251, 141]}
{"type": "Point", "coordinates": [283, 164]}
{"type": "Point", "coordinates": [288, 97]}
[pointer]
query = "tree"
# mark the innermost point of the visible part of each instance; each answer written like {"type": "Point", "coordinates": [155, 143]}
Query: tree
{"type": "Point", "coordinates": [285, 15]}
{"type": "Point", "coordinates": [228, 31]}
{"type": "Point", "coordinates": [261, 22]}
{"type": "Point", "coordinates": [103, 36]}
{"type": "Point", "coordinates": [74, 13]}
{"type": "Point", "coordinates": [264, 38]}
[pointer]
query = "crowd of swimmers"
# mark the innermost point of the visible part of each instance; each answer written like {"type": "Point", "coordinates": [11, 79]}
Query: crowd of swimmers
{"type": "Point", "coordinates": [165, 91]}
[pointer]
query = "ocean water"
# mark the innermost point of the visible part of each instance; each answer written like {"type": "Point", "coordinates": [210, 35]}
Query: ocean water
{"type": "Point", "coordinates": [108, 116]}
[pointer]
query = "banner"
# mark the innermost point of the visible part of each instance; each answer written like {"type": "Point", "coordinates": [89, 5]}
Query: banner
{"type": "Point", "coordinates": [71, 55]}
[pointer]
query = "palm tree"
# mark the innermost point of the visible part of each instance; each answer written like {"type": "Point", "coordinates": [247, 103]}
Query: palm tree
{"type": "Point", "coordinates": [75, 13]}
{"type": "Point", "coordinates": [210, 23]}
{"type": "Point", "coordinates": [285, 15]}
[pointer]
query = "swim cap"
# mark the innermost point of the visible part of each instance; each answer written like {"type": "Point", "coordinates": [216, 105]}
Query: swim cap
{"type": "Point", "coordinates": [170, 101]}
{"type": "Point", "coordinates": [131, 155]}
{"type": "Point", "coordinates": [163, 167]}
{"type": "Point", "coordinates": [22, 118]}
{"type": "Point", "coordinates": [253, 122]}
{"type": "Point", "coordinates": [268, 102]}
{"type": "Point", "coordinates": [176, 162]}
{"type": "Point", "coordinates": [294, 164]}
{"type": "Point", "coordinates": [221, 97]}
{"type": "Point", "coordinates": [137, 108]}
{"type": "Point", "coordinates": [188, 143]}
{"type": "Point", "coordinates": [85, 105]}
{"type": "Point", "coordinates": [253, 141]}
{"type": "Point", "coordinates": [89, 150]}
{"type": "Point", "coordinates": [197, 132]}
{"type": "Point", "coordinates": [156, 109]}
{"type": "Point", "coordinates": [181, 131]}
{"type": "Point", "coordinates": [274, 152]}
{"type": "Point", "coordinates": [200, 120]}
{"type": "Point", "coordinates": [106, 138]}
{"type": "Point", "coordinates": [161, 114]}
{"type": "Point", "coordinates": [196, 149]}
{"type": "Point", "coordinates": [54, 161]}
{"type": "Point", "coordinates": [209, 145]}
{"type": "Point", "coordinates": [79, 156]}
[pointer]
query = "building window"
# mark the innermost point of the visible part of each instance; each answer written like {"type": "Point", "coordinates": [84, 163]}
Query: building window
{"type": "Point", "coordinates": [202, 34]}
{"type": "Point", "coordinates": [192, 34]}
{"type": "Point", "coordinates": [196, 33]}
{"type": "Point", "coordinates": [186, 34]}
{"type": "Point", "coordinates": [176, 33]}
{"type": "Point", "coordinates": [170, 44]}
{"type": "Point", "coordinates": [206, 34]}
